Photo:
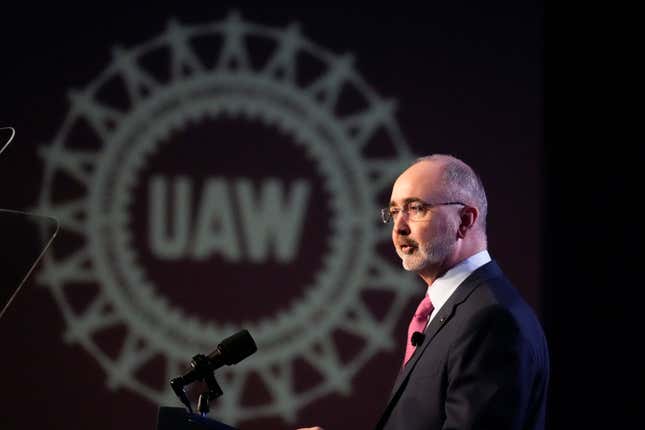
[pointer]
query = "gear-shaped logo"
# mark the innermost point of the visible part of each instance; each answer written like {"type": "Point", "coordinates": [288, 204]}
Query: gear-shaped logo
{"type": "Point", "coordinates": [93, 176]}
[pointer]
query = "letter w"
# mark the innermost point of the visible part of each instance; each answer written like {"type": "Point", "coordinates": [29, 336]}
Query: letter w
{"type": "Point", "coordinates": [269, 218]}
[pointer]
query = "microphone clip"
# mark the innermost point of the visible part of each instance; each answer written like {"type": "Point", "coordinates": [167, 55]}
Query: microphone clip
{"type": "Point", "coordinates": [202, 366]}
{"type": "Point", "coordinates": [202, 370]}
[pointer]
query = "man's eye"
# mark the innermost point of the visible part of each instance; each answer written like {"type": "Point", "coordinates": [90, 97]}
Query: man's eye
{"type": "Point", "coordinates": [394, 211]}
{"type": "Point", "coordinates": [417, 209]}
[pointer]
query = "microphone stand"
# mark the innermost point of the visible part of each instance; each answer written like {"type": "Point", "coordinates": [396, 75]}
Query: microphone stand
{"type": "Point", "coordinates": [213, 391]}
{"type": "Point", "coordinates": [201, 365]}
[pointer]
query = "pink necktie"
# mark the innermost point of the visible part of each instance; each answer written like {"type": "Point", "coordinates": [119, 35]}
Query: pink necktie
{"type": "Point", "coordinates": [418, 323]}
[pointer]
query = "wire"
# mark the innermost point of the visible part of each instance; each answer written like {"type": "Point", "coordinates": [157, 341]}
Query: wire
{"type": "Point", "coordinates": [13, 133]}
{"type": "Point", "coordinates": [33, 265]}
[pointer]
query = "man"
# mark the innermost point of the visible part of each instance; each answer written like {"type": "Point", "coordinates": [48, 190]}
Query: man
{"type": "Point", "coordinates": [482, 359]}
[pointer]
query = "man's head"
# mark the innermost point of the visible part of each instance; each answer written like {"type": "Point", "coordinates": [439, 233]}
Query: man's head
{"type": "Point", "coordinates": [438, 207]}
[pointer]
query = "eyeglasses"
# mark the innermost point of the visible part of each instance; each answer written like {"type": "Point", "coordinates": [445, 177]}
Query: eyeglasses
{"type": "Point", "coordinates": [416, 211]}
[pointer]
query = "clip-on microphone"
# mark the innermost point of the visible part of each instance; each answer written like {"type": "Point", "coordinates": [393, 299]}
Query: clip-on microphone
{"type": "Point", "coordinates": [417, 338]}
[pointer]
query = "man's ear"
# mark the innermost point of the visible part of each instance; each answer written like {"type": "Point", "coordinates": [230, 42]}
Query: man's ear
{"type": "Point", "coordinates": [468, 217]}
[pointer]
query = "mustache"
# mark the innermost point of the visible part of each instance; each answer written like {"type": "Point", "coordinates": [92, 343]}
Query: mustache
{"type": "Point", "coordinates": [409, 242]}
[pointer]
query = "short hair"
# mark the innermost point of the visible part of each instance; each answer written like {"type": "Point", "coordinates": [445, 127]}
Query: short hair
{"type": "Point", "coordinates": [460, 182]}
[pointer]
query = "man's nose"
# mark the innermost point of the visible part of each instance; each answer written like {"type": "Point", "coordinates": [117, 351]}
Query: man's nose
{"type": "Point", "coordinates": [401, 226]}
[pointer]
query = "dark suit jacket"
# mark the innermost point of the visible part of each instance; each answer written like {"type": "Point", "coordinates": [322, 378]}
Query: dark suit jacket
{"type": "Point", "coordinates": [483, 364]}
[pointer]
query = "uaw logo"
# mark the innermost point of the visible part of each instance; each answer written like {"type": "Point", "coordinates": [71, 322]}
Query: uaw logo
{"type": "Point", "coordinates": [218, 177]}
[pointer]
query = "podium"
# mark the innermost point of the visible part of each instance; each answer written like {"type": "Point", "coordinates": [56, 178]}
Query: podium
{"type": "Point", "coordinates": [174, 418]}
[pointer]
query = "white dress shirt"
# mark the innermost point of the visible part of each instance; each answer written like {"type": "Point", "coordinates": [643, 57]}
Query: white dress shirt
{"type": "Point", "coordinates": [443, 287]}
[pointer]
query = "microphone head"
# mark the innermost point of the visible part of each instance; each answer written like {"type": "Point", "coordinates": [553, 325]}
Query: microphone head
{"type": "Point", "coordinates": [237, 347]}
{"type": "Point", "coordinates": [417, 338]}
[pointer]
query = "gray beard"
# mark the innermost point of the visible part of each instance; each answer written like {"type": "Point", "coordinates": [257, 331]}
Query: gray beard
{"type": "Point", "coordinates": [430, 254]}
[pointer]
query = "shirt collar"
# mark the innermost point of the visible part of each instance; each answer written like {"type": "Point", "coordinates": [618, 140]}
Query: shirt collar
{"type": "Point", "coordinates": [443, 287]}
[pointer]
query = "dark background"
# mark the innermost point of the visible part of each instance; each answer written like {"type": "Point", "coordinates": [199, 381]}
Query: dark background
{"type": "Point", "coordinates": [469, 80]}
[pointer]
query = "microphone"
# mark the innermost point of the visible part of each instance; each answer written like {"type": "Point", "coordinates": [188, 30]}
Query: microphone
{"type": "Point", "coordinates": [417, 338]}
{"type": "Point", "coordinates": [231, 350]}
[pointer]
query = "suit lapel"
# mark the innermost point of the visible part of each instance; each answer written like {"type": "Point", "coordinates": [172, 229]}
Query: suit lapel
{"type": "Point", "coordinates": [444, 315]}
{"type": "Point", "coordinates": [437, 323]}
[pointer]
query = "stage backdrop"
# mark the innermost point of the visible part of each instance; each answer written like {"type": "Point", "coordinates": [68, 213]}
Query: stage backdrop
{"type": "Point", "coordinates": [222, 168]}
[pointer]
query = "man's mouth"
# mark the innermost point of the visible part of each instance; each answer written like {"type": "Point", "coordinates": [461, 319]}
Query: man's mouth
{"type": "Point", "coordinates": [407, 247]}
